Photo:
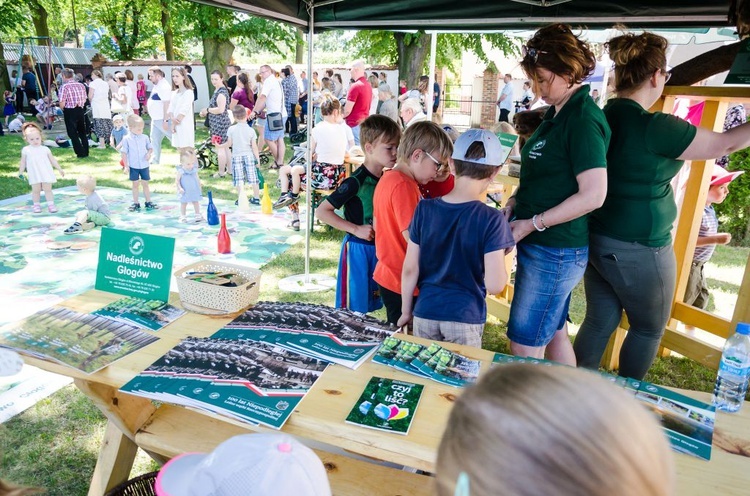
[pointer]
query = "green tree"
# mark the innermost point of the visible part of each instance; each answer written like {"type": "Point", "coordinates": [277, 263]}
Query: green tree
{"type": "Point", "coordinates": [133, 23]}
{"type": "Point", "coordinates": [218, 29]}
{"type": "Point", "coordinates": [410, 51]}
{"type": "Point", "coordinates": [734, 211]}
{"type": "Point", "coordinates": [166, 27]}
{"type": "Point", "coordinates": [10, 16]}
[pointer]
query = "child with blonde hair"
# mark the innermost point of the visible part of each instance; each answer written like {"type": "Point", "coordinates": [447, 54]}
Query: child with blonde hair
{"type": "Point", "coordinates": [244, 143]}
{"type": "Point", "coordinates": [38, 161]}
{"type": "Point", "coordinates": [535, 429]}
{"type": "Point", "coordinates": [96, 212]}
{"type": "Point", "coordinates": [188, 184]}
{"type": "Point", "coordinates": [136, 151]}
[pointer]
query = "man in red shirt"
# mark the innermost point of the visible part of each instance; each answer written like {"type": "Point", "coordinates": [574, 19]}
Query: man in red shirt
{"type": "Point", "coordinates": [358, 99]}
{"type": "Point", "coordinates": [72, 100]}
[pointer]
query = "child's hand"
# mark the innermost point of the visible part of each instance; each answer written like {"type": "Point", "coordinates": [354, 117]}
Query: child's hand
{"type": "Point", "coordinates": [404, 319]}
{"type": "Point", "coordinates": [126, 170]}
{"type": "Point", "coordinates": [62, 173]}
{"type": "Point", "coordinates": [180, 190]}
{"type": "Point", "coordinates": [723, 238]}
{"type": "Point", "coordinates": [365, 232]}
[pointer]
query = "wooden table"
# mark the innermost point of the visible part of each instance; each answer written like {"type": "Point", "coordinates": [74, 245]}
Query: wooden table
{"type": "Point", "coordinates": [169, 430]}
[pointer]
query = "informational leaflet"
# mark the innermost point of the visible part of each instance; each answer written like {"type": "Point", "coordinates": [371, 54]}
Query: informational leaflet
{"type": "Point", "coordinates": [247, 380]}
{"type": "Point", "coordinates": [333, 334]}
{"type": "Point", "coordinates": [148, 314]}
{"type": "Point", "coordinates": [433, 361]}
{"type": "Point", "coordinates": [386, 405]}
{"type": "Point", "coordinates": [688, 423]}
{"type": "Point", "coordinates": [135, 264]}
{"type": "Point", "coordinates": [80, 340]}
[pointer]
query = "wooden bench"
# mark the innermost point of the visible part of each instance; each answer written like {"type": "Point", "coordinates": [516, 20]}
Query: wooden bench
{"type": "Point", "coordinates": [174, 430]}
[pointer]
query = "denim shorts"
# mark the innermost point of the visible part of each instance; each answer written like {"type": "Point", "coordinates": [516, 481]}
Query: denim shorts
{"type": "Point", "coordinates": [545, 278]}
{"type": "Point", "coordinates": [136, 174]}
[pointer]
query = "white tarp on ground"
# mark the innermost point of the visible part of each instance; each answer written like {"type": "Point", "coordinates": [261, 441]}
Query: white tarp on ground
{"type": "Point", "coordinates": [25, 389]}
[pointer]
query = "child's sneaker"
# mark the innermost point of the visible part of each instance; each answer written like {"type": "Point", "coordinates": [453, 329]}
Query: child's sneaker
{"type": "Point", "coordinates": [135, 207]}
{"type": "Point", "coordinates": [285, 200]}
{"type": "Point", "coordinates": [75, 228]}
{"type": "Point", "coordinates": [198, 218]}
{"type": "Point", "coordinates": [87, 226]}
{"type": "Point", "coordinates": [52, 208]}
{"type": "Point", "coordinates": [151, 206]}
{"type": "Point", "coordinates": [254, 201]}
{"type": "Point", "coordinates": [37, 209]}
{"type": "Point", "coordinates": [183, 219]}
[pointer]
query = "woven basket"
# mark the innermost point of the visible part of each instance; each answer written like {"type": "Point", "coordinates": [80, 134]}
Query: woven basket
{"type": "Point", "coordinates": [201, 297]}
{"type": "Point", "coordinates": [143, 485]}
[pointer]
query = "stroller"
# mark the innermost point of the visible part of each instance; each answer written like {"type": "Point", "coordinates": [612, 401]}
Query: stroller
{"type": "Point", "coordinates": [206, 155]}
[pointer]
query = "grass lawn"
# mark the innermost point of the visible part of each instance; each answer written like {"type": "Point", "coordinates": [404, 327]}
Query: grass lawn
{"type": "Point", "coordinates": [55, 443]}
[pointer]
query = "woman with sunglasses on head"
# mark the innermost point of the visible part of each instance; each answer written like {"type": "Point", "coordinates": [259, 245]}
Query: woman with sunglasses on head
{"type": "Point", "coordinates": [631, 262]}
{"type": "Point", "coordinates": [563, 178]}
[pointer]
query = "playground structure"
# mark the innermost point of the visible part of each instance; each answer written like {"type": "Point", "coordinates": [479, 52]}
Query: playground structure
{"type": "Point", "coordinates": [38, 58]}
{"type": "Point", "coordinates": [705, 344]}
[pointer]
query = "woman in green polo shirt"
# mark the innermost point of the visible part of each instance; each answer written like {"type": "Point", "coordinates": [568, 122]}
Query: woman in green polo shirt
{"type": "Point", "coordinates": [563, 178]}
{"type": "Point", "coordinates": [631, 260]}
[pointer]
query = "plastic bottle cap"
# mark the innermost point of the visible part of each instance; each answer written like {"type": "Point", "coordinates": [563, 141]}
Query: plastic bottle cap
{"type": "Point", "coordinates": [743, 328]}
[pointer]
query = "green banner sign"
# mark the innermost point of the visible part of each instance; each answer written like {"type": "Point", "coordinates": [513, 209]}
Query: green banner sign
{"type": "Point", "coordinates": [135, 264]}
{"type": "Point", "coordinates": [739, 73]}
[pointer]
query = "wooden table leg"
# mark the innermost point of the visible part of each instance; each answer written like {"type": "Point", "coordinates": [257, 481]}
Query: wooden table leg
{"type": "Point", "coordinates": [126, 414]}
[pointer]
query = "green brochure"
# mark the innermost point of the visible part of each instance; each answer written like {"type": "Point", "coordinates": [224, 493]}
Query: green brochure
{"type": "Point", "coordinates": [147, 314]}
{"type": "Point", "coordinates": [386, 405]}
{"type": "Point", "coordinates": [135, 264]}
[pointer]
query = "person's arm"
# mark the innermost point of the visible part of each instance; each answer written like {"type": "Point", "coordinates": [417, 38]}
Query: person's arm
{"type": "Point", "coordinates": [177, 184]}
{"type": "Point", "coordinates": [592, 190]}
{"type": "Point", "coordinates": [348, 108]}
{"type": "Point", "coordinates": [90, 95]}
{"type": "Point", "coordinates": [55, 163]}
{"type": "Point", "coordinates": [708, 144]}
{"type": "Point", "coordinates": [326, 213]}
{"type": "Point", "coordinates": [714, 239]}
{"type": "Point", "coordinates": [260, 104]}
{"type": "Point", "coordinates": [22, 165]}
{"type": "Point", "coordinates": [254, 146]}
{"type": "Point", "coordinates": [125, 163]}
{"type": "Point", "coordinates": [495, 276]}
{"type": "Point", "coordinates": [221, 105]}
{"type": "Point", "coordinates": [233, 102]}
{"type": "Point", "coordinates": [409, 278]}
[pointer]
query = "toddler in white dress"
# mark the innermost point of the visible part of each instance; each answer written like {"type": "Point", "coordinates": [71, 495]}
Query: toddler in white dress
{"type": "Point", "coordinates": [38, 161]}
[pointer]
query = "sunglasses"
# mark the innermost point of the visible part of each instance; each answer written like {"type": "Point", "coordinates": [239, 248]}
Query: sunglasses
{"type": "Point", "coordinates": [438, 165]}
{"type": "Point", "coordinates": [531, 53]}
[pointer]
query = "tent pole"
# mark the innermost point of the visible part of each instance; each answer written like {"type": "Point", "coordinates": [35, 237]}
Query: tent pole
{"type": "Point", "coordinates": [431, 86]}
{"type": "Point", "coordinates": [308, 152]}
{"type": "Point", "coordinates": [306, 283]}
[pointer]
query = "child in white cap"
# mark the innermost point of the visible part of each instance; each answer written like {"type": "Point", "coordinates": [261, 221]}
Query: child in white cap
{"type": "Point", "coordinates": [456, 249]}
{"type": "Point", "coordinates": [708, 237]}
{"type": "Point", "coordinates": [247, 465]}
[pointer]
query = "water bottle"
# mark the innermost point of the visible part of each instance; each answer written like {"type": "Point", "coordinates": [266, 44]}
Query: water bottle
{"type": "Point", "coordinates": [734, 369]}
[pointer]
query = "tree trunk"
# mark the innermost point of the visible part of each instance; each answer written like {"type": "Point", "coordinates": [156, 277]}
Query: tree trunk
{"type": "Point", "coordinates": [166, 26]}
{"type": "Point", "coordinates": [413, 49]}
{"type": "Point", "coordinates": [704, 66]}
{"type": "Point", "coordinates": [39, 18]}
{"type": "Point", "coordinates": [4, 77]}
{"type": "Point", "coordinates": [299, 49]}
{"type": "Point", "coordinates": [216, 55]}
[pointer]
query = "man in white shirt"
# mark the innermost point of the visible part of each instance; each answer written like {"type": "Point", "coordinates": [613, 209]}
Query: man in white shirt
{"type": "Point", "coordinates": [158, 104]}
{"type": "Point", "coordinates": [271, 99]}
{"type": "Point", "coordinates": [505, 102]}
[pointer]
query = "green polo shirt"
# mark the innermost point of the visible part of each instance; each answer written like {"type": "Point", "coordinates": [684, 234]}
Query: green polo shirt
{"type": "Point", "coordinates": [565, 145]}
{"type": "Point", "coordinates": [641, 162]}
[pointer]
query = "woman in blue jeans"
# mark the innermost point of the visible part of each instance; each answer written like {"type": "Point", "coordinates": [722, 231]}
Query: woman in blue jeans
{"type": "Point", "coordinates": [631, 260]}
{"type": "Point", "coordinates": [563, 178]}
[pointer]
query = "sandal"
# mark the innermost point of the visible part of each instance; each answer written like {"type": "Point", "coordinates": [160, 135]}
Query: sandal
{"type": "Point", "coordinates": [37, 209]}
{"type": "Point", "coordinates": [294, 225]}
{"type": "Point", "coordinates": [275, 166]}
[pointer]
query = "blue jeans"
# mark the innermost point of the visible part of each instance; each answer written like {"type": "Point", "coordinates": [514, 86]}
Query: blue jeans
{"type": "Point", "coordinates": [157, 134]}
{"type": "Point", "coordinates": [545, 278]}
{"type": "Point", "coordinates": [626, 276]}
{"type": "Point", "coordinates": [355, 132]}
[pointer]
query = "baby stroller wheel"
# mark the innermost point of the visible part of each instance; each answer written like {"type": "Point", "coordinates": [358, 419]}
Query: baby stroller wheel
{"type": "Point", "coordinates": [264, 159]}
{"type": "Point", "coordinates": [202, 163]}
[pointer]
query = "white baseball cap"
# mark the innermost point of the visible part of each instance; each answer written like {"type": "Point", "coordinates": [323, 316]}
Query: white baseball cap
{"type": "Point", "coordinates": [493, 150]}
{"type": "Point", "coordinates": [247, 465]}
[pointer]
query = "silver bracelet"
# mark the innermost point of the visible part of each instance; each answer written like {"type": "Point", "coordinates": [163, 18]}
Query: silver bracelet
{"type": "Point", "coordinates": [541, 219]}
{"type": "Point", "coordinates": [533, 222]}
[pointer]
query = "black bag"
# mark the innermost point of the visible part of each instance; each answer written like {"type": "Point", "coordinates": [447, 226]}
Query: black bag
{"type": "Point", "coordinates": [275, 121]}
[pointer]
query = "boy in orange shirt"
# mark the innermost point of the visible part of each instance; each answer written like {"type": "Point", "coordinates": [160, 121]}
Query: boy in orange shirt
{"type": "Point", "coordinates": [424, 150]}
